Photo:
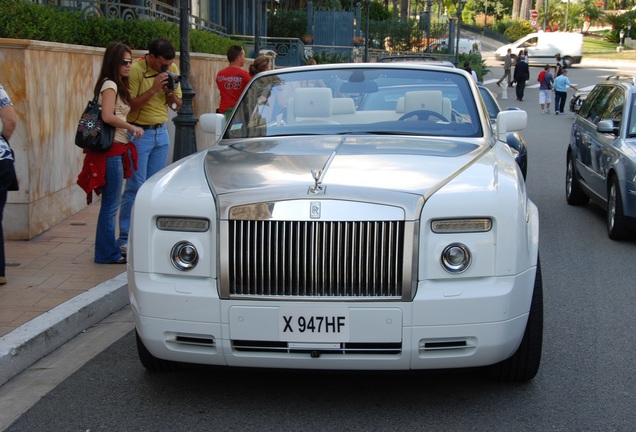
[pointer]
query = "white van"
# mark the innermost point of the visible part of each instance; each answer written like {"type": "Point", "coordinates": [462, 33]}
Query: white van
{"type": "Point", "coordinates": [465, 46]}
{"type": "Point", "coordinates": [544, 46]}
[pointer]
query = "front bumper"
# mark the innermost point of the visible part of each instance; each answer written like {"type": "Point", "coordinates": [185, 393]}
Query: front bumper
{"type": "Point", "coordinates": [447, 325]}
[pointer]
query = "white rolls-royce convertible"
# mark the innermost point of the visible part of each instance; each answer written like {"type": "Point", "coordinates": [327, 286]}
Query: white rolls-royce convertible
{"type": "Point", "coordinates": [348, 217]}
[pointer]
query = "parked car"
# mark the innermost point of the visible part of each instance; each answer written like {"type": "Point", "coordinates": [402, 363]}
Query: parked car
{"type": "Point", "coordinates": [514, 139]}
{"type": "Point", "coordinates": [579, 97]}
{"type": "Point", "coordinates": [328, 229]}
{"type": "Point", "coordinates": [601, 156]}
{"type": "Point", "coordinates": [463, 46]}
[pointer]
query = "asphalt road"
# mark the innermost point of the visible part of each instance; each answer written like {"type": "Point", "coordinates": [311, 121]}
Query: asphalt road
{"type": "Point", "coordinates": [586, 381]}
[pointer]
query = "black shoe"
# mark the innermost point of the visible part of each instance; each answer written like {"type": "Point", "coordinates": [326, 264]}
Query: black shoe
{"type": "Point", "coordinates": [499, 84]}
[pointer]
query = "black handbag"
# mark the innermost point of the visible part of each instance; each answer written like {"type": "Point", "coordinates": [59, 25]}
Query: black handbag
{"type": "Point", "coordinates": [93, 134]}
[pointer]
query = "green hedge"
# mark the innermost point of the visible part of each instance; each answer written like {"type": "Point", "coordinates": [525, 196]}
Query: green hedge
{"type": "Point", "coordinates": [25, 20]}
{"type": "Point", "coordinates": [517, 29]}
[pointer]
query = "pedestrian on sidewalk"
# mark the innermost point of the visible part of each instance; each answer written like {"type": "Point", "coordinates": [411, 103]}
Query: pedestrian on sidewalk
{"type": "Point", "coordinates": [152, 92]}
{"type": "Point", "coordinates": [521, 75]}
{"type": "Point", "coordinates": [8, 179]}
{"type": "Point", "coordinates": [545, 89]}
{"type": "Point", "coordinates": [232, 80]}
{"type": "Point", "coordinates": [472, 73]}
{"type": "Point", "coordinates": [507, 68]}
{"type": "Point", "coordinates": [104, 173]}
{"type": "Point", "coordinates": [561, 84]}
{"type": "Point", "coordinates": [558, 68]}
{"type": "Point", "coordinates": [260, 64]}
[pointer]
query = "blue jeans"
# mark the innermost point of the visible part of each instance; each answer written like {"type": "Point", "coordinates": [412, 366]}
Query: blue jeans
{"type": "Point", "coordinates": [559, 100]}
{"type": "Point", "coordinates": [106, 247]}
{"type": "Point", "coordinates": [152, 156]}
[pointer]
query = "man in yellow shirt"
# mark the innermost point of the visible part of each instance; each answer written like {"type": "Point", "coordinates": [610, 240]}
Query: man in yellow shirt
{"type": "Point", "coordinates": [154, 87]}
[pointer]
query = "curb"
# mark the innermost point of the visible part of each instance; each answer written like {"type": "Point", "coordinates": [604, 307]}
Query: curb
{"type": "Point", "coordinates": [30, 342]}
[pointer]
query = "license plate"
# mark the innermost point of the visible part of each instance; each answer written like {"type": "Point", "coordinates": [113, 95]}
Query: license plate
{"type": "Point", "coordinates": [313, 324]}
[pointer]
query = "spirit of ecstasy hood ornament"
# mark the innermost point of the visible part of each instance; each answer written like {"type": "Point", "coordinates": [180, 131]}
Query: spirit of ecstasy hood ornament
{"type": "Point", "coordinates": [316, 188]}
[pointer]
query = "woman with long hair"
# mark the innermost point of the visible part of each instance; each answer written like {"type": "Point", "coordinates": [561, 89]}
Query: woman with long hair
{"type": "Point", "coordinates": [104, 173]}
{"type": "Point", "coordinates": [260, 64]}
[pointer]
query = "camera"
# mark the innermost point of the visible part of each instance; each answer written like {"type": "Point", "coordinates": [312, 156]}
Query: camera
{"type": "Point", "coordinates": [173, 79]}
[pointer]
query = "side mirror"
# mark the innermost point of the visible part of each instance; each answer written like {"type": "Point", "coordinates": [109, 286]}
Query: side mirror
{"type": "Point", "coordinates": [213, 124]}
{"type": "Point", "coordinates": [607, 126]}
{"type": "Point", "coordinates": [510, 121]}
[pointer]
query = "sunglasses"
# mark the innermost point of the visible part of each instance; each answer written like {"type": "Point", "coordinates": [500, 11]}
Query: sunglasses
{"type": "Point", "coordinates": [126, 62]}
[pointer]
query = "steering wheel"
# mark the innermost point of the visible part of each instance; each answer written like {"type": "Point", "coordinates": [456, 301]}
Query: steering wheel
{"type": "Point", "coordinates": [423, 115]}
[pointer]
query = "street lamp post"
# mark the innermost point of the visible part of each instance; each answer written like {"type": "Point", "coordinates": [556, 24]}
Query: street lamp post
{"type": "Point", "coordinates": [257, 29]}
{"type": "Point", "coordinates": [366, 32]}
{"type": "Point", "coordinates": [427, 23]}
{"type": "Point", "coordinates": [622, 36]}
{"type": "Point", "coordinates": [460, 7]}
{"type": "Point", "coordinates": [185, 141]}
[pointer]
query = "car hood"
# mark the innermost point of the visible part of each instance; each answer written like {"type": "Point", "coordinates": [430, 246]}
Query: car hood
{"type": "Point", "coordinates": [284, 168]}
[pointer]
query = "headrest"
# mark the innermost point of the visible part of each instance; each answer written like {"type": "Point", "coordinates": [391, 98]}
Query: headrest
{"type": "Point", "coordinates": [312, 102]}
{"type": "Point", "coordinates": [423, 100]}
{"type": "Point", "coordinates": [343, 106]}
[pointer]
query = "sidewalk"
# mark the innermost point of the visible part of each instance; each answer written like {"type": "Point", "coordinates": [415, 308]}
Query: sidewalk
{"type": "Point", "coordinates": [54, 291]}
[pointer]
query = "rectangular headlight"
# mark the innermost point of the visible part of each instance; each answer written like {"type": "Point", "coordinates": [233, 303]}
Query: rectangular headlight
{"type": "Point", "coordinates": [445, 226]}
{"type": "Point", "coordinates": [166, 223]}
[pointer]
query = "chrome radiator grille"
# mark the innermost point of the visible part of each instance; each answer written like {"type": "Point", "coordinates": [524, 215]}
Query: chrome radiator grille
{"type": "Point", "coordinates": [315, 258]}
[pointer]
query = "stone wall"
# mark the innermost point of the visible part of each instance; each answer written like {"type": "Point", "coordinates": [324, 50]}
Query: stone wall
{"type": "Point", "coordinates": [50, 84]}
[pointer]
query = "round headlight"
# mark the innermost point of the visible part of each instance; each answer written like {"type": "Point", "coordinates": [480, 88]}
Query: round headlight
{"type": "Point", "coordinates": [184, 256]}
{"type": "Point", "coordinates": [456, 258]}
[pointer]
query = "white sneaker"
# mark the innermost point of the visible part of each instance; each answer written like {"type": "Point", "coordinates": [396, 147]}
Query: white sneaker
{"type": "Point", "coordinates": [542, 111]}
{"type": "Point", "coordinates": [123, 249]}
{"type": "Point", "coordinates": [547, 111]}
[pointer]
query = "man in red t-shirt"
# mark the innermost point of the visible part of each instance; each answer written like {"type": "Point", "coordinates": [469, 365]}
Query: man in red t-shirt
{"type": "Point", "coordinates": [232, 80]}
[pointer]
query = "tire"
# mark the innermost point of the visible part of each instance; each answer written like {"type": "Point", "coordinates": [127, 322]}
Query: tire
{"type": "Point", "coordinates": [616, 224]}
{"type": "Point", "coordinates": [152, 363]}
{"type": "Point", "coordinates": [567, 62]}
{"type": "Point", "coordinates": [573, 192]}
{"type": "Point", "coordinates": [524, 171]}
{"type": "Point", "coordinates": [524, 363]}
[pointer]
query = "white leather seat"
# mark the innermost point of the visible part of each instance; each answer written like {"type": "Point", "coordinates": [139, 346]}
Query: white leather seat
{"type": "Point", "coordinates": [312, 102]}
{"type": "Point", "coordinates": [430, 100]}
{"type": "Point", "coordinates": [343, 106]}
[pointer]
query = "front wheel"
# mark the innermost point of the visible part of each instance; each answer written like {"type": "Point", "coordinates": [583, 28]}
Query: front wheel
{"type": "Point", "coordinates": [524, 363]}
{"type": "Point", "coordinates": [616, 224]}
{"type": "Point", "coordinates": [573, 192]}
{"type": "Point", "coordinates": [150, 362]}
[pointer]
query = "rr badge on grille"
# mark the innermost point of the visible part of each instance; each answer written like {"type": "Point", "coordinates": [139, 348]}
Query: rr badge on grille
{"type": "Point", "coordinates": [314, 210]}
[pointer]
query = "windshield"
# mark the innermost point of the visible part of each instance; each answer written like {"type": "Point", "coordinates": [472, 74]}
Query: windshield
{"type": "Point", "coordinates": [343, 100]}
